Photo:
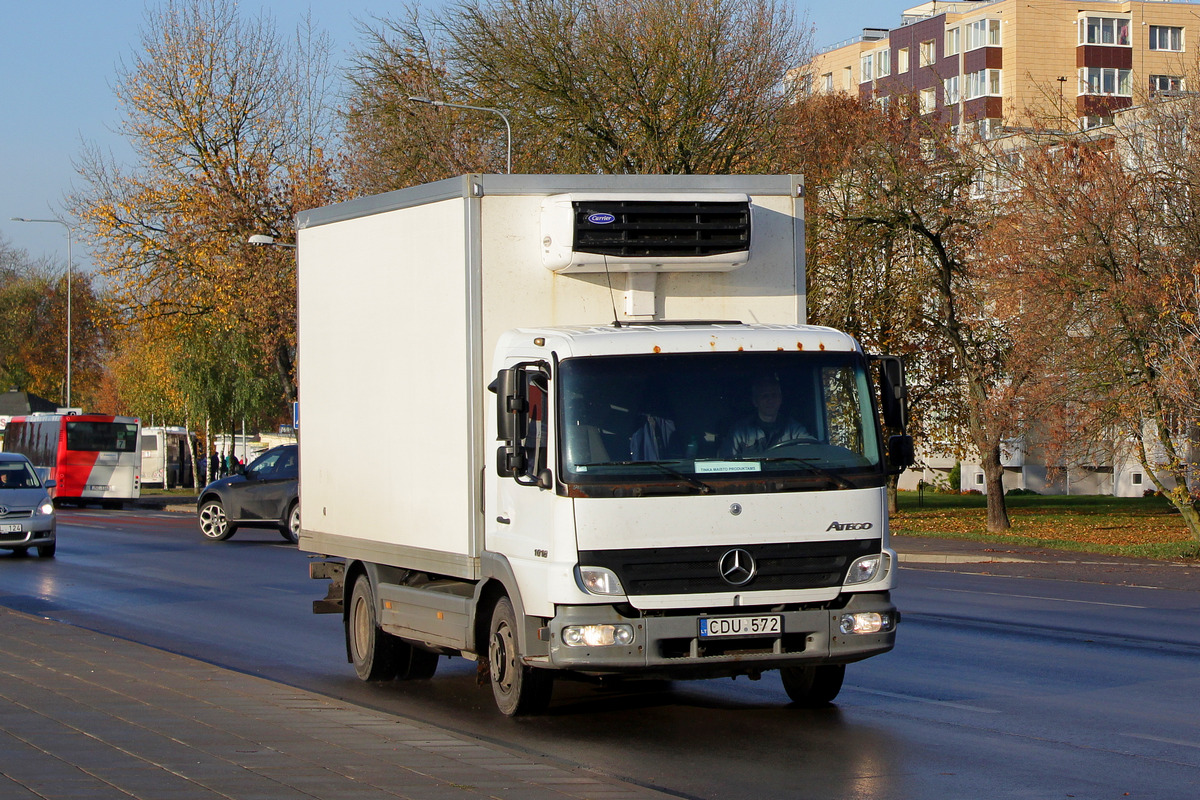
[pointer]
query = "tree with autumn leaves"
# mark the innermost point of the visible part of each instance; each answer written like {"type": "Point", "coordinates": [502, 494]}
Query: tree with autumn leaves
{"type": "Point", "coordinates": [33, 318]}
{"type": "Point", "coordinates": [230, 127]}
{"type": "Point", "coordinates": [1103, 257]}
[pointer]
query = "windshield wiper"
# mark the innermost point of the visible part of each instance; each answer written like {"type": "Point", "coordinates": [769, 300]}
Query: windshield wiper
{"type": "Point", "coordinates": [664, 466]}
{"type": "Point", "coordinates": [824, 472]}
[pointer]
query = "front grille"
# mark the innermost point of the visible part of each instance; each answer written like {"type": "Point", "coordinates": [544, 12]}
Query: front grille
{"type": "Point", "coordinates": [12, 515]}
{"type": "Point", "coordinates": [695, 570]}
{"type": "Point", "coordinates": [19, 536]}
{"type": "Point", "coordinates": [662, 229]}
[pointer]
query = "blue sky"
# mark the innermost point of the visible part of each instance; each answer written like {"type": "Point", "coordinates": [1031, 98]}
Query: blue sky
{"type": "Point", "coordinates": [58, 60]}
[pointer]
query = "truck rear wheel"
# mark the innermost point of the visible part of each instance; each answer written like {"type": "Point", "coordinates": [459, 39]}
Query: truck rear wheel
{"type": "Point", "coordinates": [373, 651]}
{"type": "Point", "coordinates": [813, 687]}
{"type": "Point", "coordinates": [518, 689]}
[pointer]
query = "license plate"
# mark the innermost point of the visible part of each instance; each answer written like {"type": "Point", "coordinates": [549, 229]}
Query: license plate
{"type": "Point", "coordinates": [711, 627]}
{"type": "Point", "coordinates": [11, 528]}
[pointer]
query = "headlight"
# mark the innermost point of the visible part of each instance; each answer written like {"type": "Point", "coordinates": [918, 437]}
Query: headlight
{"type": "Point", "coordinates": [45, 508]}
{"type": "Point", "coordinates": [597, 635]}
{"type": "Point", "coordinates": [864, 569]}
{"type": "Point", "coordinates": [866, 622]}
{"type": "Point", "coordinates": [598, 580]}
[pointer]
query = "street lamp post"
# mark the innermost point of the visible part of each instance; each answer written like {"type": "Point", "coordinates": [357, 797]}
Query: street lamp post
{"type": "Point", "coordinates": [501, 114]}
{"type": "Point", "coordinates": [70, 267]}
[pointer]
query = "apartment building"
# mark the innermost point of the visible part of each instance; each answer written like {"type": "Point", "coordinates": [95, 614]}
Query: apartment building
{"type": "Point", "coordinates": [987, 65]}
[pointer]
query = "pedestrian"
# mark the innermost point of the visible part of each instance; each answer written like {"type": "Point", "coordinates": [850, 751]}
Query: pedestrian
{"type": "Point", "coordinates": [214, 463]}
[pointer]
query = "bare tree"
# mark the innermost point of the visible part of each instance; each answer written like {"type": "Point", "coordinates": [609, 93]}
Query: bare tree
{"type": "Point", "coordinates": [632, 86]}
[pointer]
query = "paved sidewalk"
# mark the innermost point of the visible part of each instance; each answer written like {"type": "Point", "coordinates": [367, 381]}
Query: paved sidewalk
{"type": "Point", "coordinates": [88, 716]}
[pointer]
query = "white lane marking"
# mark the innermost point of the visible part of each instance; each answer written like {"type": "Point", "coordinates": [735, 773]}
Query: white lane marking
{"type": "Point", "coordinates": [915, 699]}
{"type": "Point", "coordinates": [1162, 740]}
{"type": "Point", "coordinates": [1039, 597]}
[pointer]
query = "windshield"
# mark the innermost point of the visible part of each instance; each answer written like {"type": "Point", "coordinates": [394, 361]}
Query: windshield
{"type": "Point", "coordinates": [18, 475]}
{"type": "Point", "coordinates": [718, 422]}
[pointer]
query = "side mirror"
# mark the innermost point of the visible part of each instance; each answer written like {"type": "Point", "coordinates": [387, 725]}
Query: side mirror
{"type": "Point", "coordinates": [901, 453]}
{"type": "Point", "coordinates": [510, 389]}
{"type": "Point", "coordinates": [893, 392]}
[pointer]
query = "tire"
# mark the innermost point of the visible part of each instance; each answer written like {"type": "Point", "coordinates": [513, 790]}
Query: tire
{"type": "Point", "coordinates": [415, 663]}
{"type": "Point", "coordinates": [291, 525]}
{"type": "Point", "coordinates": [373, 652]}
{"type": "Point", "coordinates": [214, 523]}
{"type": "Point", "coordinates": [813, 687]}
{"type": "Point", "coordinates": [518, 689]}
{"type": "Point", "coordinates": [47, 550]}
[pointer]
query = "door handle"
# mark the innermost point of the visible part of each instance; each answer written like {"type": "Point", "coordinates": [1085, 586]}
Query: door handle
{"type": "Point", "coordinates": [504, 520]}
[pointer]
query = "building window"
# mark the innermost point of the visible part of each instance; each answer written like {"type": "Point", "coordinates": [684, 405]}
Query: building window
{"type": "Point", "coordinates": [1165, 83]}
{"type": "Point", "coordinates": [1105, 30]}
{"type": "Point", "coordinates": [951, 91]}
{"type": "Point", "coordinates": [1165, 37]}
{"type": "Point", "coordinates": [847, 78]}
{"type": "Point", "coordinates": [1095, 80]}
{"type": "Point", "coordinates": [902, 60]}
{"type": "Point", "coordinates": [866, 69]}
{"type": "Point", "coordinates": [883, 63]}
{"type": "Point", "coordinates": [1137, 479]}
{"type": "Point", "coordinates": [983, 83]}
{"type": "Point", "coordinates": [983, 33]}
{"type": "Point", "coordinates": [884, 103]}
{"type": "Point", "coordinates": [928, 53]}
{"type": "Point", "coordinates": [827, 83]}
{"type": "Point", "coordinates": [979, 479]}
{"type": "Point", "coordinates": [928, 101]}
{"type": "Point", "coordinates": [953, 41]}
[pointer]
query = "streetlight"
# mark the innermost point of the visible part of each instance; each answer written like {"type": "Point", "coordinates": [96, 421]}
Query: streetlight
{"type": "Point", "coordinates": [69, 232]}
{"type": "Point", "coordinates": [263, 240]}
{"type": "Point", "coordinates": [503, 116]}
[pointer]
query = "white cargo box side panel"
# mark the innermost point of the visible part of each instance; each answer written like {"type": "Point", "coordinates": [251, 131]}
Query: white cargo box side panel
{"type": "Point", "coordinates": [384, 358]}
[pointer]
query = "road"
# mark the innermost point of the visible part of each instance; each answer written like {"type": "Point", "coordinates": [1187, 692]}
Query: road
{"type": "Point", "coordinates": [999, 687]}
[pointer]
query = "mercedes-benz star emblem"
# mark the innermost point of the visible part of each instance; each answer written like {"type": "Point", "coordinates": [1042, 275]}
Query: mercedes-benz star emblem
{"type": "Point", "coordinates": [737, 567]}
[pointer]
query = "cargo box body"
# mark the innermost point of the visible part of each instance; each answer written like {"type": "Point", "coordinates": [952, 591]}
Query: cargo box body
{"type": "Point", "coordinates": [403, 297]}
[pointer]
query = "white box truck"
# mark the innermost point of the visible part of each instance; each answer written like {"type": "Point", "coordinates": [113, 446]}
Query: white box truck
{"type": "Point", "coordinates": [603, 441]}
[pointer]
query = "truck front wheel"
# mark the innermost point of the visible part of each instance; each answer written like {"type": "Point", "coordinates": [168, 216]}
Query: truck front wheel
{"type": "Point", "coordinates": [372, 650]}
{"type": "Point", "coordinates": [518, 689]}
{"type": "Point", "coordinates": [813, 687]}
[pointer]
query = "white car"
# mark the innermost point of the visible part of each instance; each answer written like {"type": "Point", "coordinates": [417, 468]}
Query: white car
{"type": "Point", "coordinates": [26, 510]}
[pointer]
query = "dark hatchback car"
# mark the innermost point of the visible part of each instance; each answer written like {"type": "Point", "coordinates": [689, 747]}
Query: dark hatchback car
{"type": "Point", "coordinates": [265, 495]}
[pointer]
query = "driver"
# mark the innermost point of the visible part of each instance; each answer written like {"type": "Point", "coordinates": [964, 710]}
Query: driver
{"type": "Point", "coordinates": [765, 427]}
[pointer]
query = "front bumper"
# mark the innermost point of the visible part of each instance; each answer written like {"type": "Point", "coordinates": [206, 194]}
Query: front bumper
{"type": "Point", "coordinates": [670, 645]}
{"type": "Point", "coordinates": [34, 531]}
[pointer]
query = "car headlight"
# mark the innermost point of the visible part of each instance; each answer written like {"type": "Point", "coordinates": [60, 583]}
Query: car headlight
{"type": "Point", "coordinates": [598, 580]}
{"type": "Point", "coordinates": [44, 508]}
{"type": "Point", "coordinates": [865, 569]}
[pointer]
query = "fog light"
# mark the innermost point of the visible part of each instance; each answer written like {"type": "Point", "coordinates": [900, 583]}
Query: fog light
{"type": "Point", "coordinates": [866, 622]}
{"type": "Point", "coordinates": [597, 635]}
{"type": "Point", "coordinates": [864, 569]}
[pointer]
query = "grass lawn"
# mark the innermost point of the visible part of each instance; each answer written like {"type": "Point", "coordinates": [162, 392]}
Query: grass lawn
{"type": "Point", "coordinates": [1143, 527]}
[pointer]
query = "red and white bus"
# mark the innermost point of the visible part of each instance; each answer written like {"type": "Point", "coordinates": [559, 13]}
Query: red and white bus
{"type": "Point", "coordinates": [94, 458]}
